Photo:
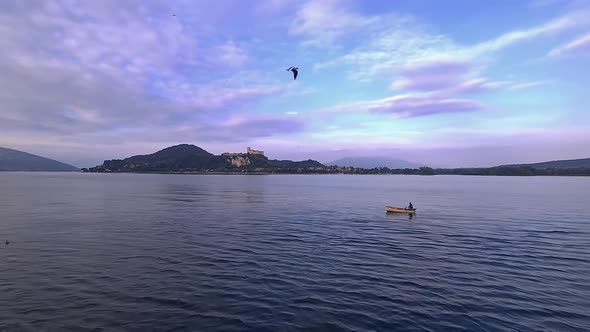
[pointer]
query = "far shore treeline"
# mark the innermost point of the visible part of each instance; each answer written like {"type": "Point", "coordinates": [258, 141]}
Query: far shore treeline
{"type": "Point", "coordinates": [489, 171]}
{"type": "Point", "coordinates": [186, 158]}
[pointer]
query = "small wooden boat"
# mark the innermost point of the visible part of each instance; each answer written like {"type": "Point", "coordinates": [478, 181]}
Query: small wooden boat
{"type": "Point", "coordinates": [395, 209]}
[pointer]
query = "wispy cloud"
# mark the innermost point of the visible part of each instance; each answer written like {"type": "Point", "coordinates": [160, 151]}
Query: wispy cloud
{"type": "Point", "coordinates": [102, 68]}
{"type": "Point", "coordinates": [527, 85]}
{"type": "Point", "coordinates": [245, 127]}
{"type": "Point", "coordinates": [132, 75]}
{"type": "Point", "coordinates": [395, 40]}
{"type": "Point", "coordinates": [431, 72]}
{"type": "Point", "coordinates": [236, 128]}
{"type": "Point", "coordinates": [557, 25]}
{"type": "Point", "coordinates": [431, 75]}
{"type": "Point", "coordinates": [444, 76]}
{"type": "Point", "coordinates": [215, 95]}
{"type": "Point", "coordinates": [434, 88]}
{"type": "Point", "coordinates": [413, 106]}
{"type": "Point", "coordinates": [410, 105]}
{"type": "Point", "coordinates": [404, 40]}
{"type": "Point", "coordinates": [578, 46]}
{"type": "Point", "coordinates": [321, 23]}
{"type": "Point", "coordinates": [230, 54]}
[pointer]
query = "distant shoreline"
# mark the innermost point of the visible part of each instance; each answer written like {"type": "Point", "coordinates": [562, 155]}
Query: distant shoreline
{"type": "Point", "coordinates": [191, 159]}
{"type": "Point", "coordinates": [332, 173]}
{"type": "Point", "coordinates": [295, 173]}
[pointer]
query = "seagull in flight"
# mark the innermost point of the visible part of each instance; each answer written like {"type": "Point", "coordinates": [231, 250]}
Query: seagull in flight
{"type": "Point", "coordinates": [294, 70]}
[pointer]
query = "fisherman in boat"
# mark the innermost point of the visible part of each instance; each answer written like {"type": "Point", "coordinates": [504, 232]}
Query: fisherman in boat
{"type": "Point", "coordinates": [411, 207]}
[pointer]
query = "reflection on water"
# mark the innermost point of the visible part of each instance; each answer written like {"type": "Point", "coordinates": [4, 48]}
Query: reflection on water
{"type": "Point", "coordinates": [399, 216]}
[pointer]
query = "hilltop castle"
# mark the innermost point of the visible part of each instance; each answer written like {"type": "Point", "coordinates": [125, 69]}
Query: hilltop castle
{"type": "Point", "coordinates": [241, 159]}
{"type": "Point", "coordinates": [248, 151]}
{"type": "Point", "coordinates": [252, 151]}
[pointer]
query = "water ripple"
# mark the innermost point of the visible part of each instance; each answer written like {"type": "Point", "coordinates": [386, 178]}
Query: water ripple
{"type": "Point", "coordinates": [290, 253]}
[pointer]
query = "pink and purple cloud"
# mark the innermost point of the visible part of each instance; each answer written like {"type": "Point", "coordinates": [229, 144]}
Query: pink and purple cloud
{"type": "Point", "coordinates": [79, 77]}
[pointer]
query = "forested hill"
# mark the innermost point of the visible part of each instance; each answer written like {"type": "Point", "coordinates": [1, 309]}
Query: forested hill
{"type": "Point", "coordinates": [191, 158]}
{"type": "Point", "coordinates": [571, 163]}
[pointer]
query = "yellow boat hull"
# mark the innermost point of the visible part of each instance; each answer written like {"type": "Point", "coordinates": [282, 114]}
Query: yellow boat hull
{"type": "Point", "coordinates": [394, 209]}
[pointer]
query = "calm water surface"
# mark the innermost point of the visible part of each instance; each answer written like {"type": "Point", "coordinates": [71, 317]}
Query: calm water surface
{"type": "Point", "coordinates": [123, 252]}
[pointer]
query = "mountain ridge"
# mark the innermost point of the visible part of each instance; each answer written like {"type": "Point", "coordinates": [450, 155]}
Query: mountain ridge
{"type": "Point", "coordinates": [20, 161]}
{"type": "Point", "coordinates": [564, 163]}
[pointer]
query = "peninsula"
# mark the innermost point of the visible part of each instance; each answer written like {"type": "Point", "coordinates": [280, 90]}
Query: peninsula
{"type": "Point", "coordinates": [187, 158]}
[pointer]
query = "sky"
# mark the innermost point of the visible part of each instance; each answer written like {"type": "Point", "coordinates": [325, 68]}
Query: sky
{"type": "Point", "coordinates": [443, 83]}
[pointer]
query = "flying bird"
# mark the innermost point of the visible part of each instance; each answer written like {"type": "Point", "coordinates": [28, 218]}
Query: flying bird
{"type": "Point", "coordinates": [7, 243]}
{"type": "Point", "coordinates": [294, 70]}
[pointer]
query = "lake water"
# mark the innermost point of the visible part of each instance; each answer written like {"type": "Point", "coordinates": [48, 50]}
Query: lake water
{"type": "Point", "coordinates": [125, 252]}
